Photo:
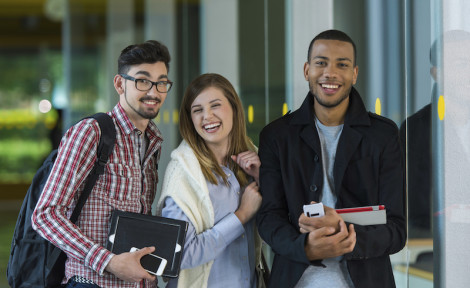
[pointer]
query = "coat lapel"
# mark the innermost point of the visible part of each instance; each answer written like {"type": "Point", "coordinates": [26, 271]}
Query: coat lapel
{"type": "Point", "coordinates": [344, 152]}
{"type": "Point", "coordinates": [304, 116]}
{"type": "Point", "coordinates": [309, 135]}
{"type": "Point", "coordinates": [356, 115]}
{"type": "Point", "coordinates": [350, 138]}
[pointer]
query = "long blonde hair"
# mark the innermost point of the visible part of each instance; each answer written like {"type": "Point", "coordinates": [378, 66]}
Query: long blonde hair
{"type": "Point", "coordinates": [239, 140]}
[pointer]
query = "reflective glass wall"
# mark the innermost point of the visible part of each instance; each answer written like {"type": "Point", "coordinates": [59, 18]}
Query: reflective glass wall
{"type": "Point", "coordinates": [450, 141]}
{"type": "Point", "coordinates": [59, 58]}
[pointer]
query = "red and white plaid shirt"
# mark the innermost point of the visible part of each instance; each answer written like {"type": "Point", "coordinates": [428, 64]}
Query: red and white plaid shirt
{"type": "Point", "coordinates": [126, 185]}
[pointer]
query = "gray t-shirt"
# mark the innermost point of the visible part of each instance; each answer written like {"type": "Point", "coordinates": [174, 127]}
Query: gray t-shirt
{"type": "Point", "coordinates": [335, 274]}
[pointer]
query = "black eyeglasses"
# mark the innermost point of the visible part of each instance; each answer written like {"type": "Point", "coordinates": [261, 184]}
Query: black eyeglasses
{"type": "Point", "coordinates": [146, 85]}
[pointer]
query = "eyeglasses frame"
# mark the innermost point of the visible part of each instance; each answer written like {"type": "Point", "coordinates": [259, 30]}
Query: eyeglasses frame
{"type": "Point", "coordinates": [128, 77]}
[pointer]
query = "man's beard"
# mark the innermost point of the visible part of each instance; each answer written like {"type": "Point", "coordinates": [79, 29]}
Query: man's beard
{"type": "Point", "coordinates": [146, 115]}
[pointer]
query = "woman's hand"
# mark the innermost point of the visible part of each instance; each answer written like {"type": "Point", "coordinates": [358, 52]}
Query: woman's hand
{"type": "Point", "coordinates": [249, 162]}
{"type": "Point", "coordinates": [249, 204]}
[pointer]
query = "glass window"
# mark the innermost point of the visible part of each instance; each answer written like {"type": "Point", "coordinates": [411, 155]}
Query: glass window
{"type": "Point", "coordinates": [59, 58]}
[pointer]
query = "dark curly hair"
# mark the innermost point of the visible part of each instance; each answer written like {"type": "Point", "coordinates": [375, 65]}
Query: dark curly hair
{"type": "Point", "coordinates": [150, 51]}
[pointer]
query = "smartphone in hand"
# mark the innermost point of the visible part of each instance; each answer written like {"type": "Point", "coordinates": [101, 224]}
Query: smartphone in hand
{"type": "Point", "coordinates": [314, 210]}
{"type": "Point", "coordinates": [152, 263]}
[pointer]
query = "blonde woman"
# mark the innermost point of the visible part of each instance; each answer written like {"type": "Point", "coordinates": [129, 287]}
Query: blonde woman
{"type": "Point", "coordinates": [209, 183]}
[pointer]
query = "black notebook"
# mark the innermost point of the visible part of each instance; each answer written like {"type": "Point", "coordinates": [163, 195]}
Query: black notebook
{"type": "Point", "coordinates": [167, 235]}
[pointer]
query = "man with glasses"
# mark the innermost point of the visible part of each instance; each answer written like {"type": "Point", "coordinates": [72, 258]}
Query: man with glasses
{"type": "Point", "coordinates": [128, 184]}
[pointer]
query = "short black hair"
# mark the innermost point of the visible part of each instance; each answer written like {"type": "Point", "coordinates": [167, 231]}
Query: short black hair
{"type": "Point", "coordinates": [332, 35]}
{"type": "Point", "coordinates": [150, 51]}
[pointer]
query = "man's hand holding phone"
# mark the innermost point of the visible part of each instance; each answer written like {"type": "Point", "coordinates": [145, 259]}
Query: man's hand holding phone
{"type": "Point", "coordinates": [328, 234]}
{"type": "Point", "coordinates": [316, 216]}
{"type": "Point", "coordinates": [126, 266]}
{"type": "Point", "coordinates": [153, 264]}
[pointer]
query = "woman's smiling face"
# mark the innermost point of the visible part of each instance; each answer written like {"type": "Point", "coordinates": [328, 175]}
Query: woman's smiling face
{"type": "Point", "coordinates": [212, 116]}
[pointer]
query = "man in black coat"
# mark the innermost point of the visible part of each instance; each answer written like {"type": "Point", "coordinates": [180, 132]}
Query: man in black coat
{"type": "Point", "coordinates": [366, 169]}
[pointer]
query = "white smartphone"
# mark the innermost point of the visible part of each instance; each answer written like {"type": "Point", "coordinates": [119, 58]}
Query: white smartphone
{"type": "Point", "coordinates": [152, 263]}
{"type": "Point", "coordinates": [314, 210]}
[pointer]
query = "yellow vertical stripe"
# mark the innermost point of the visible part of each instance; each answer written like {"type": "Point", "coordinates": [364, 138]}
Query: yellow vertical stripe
{"type": "Point", "coordinates": [175, 116]}
{"type": "Point", "coordinates": [441, 107]}
{"type": "Point", "coordinates": [166, 117]}
{"type": "Point", "coordinates": [284, 109]}
{"type": "Point", "coordinates": [251, 113]}
{"type": "Point", "coordinates": [378, 107]}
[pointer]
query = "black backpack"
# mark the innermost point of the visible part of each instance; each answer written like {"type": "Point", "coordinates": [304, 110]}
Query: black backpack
{"type": "Point", "coordinates": [34, 261]}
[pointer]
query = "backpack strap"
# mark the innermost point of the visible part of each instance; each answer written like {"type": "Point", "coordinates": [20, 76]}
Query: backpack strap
{"type": "Point", "coordinates": [105, 149]}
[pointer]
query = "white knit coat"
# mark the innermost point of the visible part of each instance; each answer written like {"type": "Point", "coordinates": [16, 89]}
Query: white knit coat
{"type": "Point", "coordinates": [185, 183]}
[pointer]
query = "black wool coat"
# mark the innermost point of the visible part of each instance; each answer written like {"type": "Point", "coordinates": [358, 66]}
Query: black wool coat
{"type": "Point", "coordinates": [368, 170]}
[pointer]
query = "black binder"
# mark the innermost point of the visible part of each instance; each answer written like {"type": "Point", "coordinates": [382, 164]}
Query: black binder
{"type": "Point", "coordinates": [167, 235]}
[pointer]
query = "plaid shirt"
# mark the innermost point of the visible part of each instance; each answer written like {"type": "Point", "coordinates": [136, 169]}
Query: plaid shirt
{"type": "Point", "coordinates": [126, 185]}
